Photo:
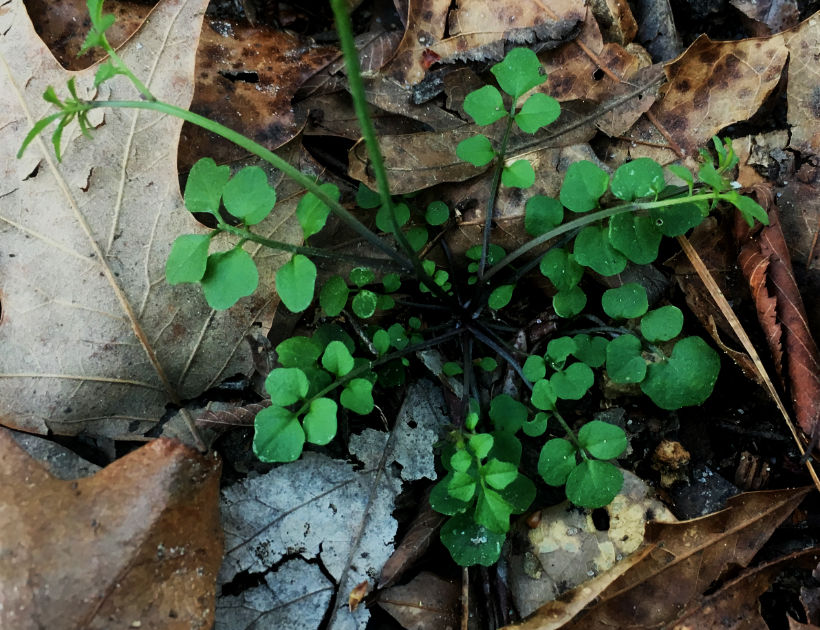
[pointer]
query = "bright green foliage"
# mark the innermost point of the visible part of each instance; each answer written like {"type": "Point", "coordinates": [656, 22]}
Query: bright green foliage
{"type": "Point", "coordinates": [624, 362]}
{"type": "Point", "coordinates": [286, 385]}
{"type": "Point", "coordinates": [361, 276]}
{"type": "Point", "coordinates": [188, 258]}
{"type": "Point", "coordinates": [686, 378]}
{"type": "Point", "coordinates": [295, 281]}
{"type": "Point", "coordinates": [337, 359]}
{"type": "Point", "coordinates": [248, 196]}
{"type": "Point", "coordinates": [590, 350]}
{"type": "Point", "coordinates": [507, 413]}
{"type": "Point", "coordinates": [593, 484]}
{"type": "Point", "coordinates": [639, 178]}
{"type": "Point", "coordinates": [539, 110]}
{"type": "Point", "coordinates": [569, 303]}
{"type": "Point", "coordinates": [662, 324]}
{"type": "Point", "coordinates": [561, 268]}
{"type": "Point", "coordinates": [556, 462]}
{"type": "Point", "coordinates": [542, 214]}
{"type": "Point", "coordinates": [476, 150]}
{"type": "Point", "coordinates": [537, 426]}
{"type": "Point", "coordinates": [543, 395]}
{"type": "Point", "coordinates": [501, 296]}
{"type": "Point", "coordinates": [636, 237]}
{"type": "Point", "coordinates": [534, 368]}
{"type": "Point", "coordinates": [573, 382]}
{"type": "Point", "coordinates": [519, 174]}
{"type": "Point", "coordinates": [602, 440]}
{"type": "Point", "coordinates": [594, 250]}
{"type": "Point", "coordinates": [278, 436]}
{"type": "Point", "coordinates": [677, 220]}
{"type": "Point", "coordinates": [312, 212]}
{"type": "Point", "coordinates": [333, 296]}
{"type": "Point", "coordinates": [228, 277]}
{"type": "Point", "coordinates": [626, 301]}
{"type": "Point", "coordinates": [203, 189]}
{"type": "Point", "coordinates": [559, 349]}
{"type": "Point", "coordinates": [485, 105]}
{"type": "Point", "coordinates": [100, 23]}
{"type": "Point", "coordinates": [488, 364]}
{"type": "Point", "coordinates": [584, 184]}
{"type": "Point", "coordinates": [298, 352]}
{"type": "Point", "coordinates": [358, 396]}
{"type": "Point", "coordinates": [519, 72]}
{"type": "Point", "coordinates": [385, 223]}
{"type": "Point", "coordinates": [391, 282]}
{"type": "Point", "coordinates": [471, 543]}
{"type": "Point", "coordinates": [320, 421]}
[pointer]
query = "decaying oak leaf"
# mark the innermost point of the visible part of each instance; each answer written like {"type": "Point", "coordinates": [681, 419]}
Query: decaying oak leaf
{"type": "Point", "coordinates": [803, 91]}
{"type": "Point", "coordinates": [93, 338]}
{"type": "Point", "coordinates": [426, 601]}
{"type": "Point", "coordinates": [425, 21]}
{"type": "Point", "coordinates": [137, 543]}
{"type": "Point", "coordinates": [690, 555]}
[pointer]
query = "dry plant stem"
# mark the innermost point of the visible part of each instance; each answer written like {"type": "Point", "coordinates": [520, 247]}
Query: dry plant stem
{"type": "Point", "coordinates": [729, 314]}
{"type": "Point", "coordinates": [465, 598]}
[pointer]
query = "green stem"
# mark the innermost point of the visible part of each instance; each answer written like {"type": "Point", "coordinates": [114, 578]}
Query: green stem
{"type": "Point", "coordinates": [595, 217]}
{"type": "Point", "coordinates": [267, 155]}
{"type": "Point", "coordinates": [124, 69]}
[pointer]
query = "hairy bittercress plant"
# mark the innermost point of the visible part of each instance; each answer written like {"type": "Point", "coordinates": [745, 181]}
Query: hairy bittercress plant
{"type": "Point", "coordinates": [599, 222]}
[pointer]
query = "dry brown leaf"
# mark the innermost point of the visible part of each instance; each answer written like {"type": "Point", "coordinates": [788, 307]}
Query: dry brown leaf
{"type": "Point", "coordinates": [137, 543]}
{"type": "Point", "coordinates": [426, 602]}
{"type": "Point", "coordinates": [691, 555]}
{"type": "Point", "coordinates": [769, 16]}
{"type": "Point", "coordinates": [803, 92]}
{"type": "Point", "coordinates": [357, 595]}
{"type": "Point", "coordinates": [766, 263]}
{"type": "Point", "coordinates": [425, 21]}
{"type": "Point", "coordinates": [93, 338]}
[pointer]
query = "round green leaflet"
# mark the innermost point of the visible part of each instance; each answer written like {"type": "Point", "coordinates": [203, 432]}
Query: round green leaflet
{"type": "Point", "coordinates": [590, 350]}
{"type": "Point", "coordinates": [299, 352]}
{"type": "Point", "coordinates": [445, 503]}
{"type": "Point", "coordinates": [320, 421]}
{"type": "Point", "coordinates": [624, 362]}
{"type": "Point", "coordinates": [543, 395]}
{"type": "Point", "coordinates": [188, 258]}
{"type": "Point", "coordinates": [534, 368]}
{"type": "Point", "coordinates": [312, 213]}
{"type": "Point", "coordinates": [556, 461]}
{"type": "Point", "coordinates": [364, 303]}
{"type": "Point", "coordinates": [593, 483]}
{"type": "Point", "coordinates": [358, 396]}
{"type": "Point", "coordinates": [500, 296]}
{"type": "Point", "coordinates": [559, 348]}
{"type": "Point", "coordinates": [333, 296]}
{"type": "Point", "coordinates": [542, 214]}
{"type": "Point", "coordinates": [383, 221]}
{"type": "Point", "coordinates": [602, 439]}
{"type": "Point", "coordinates": [278, 436]}
{"type": "Point", "coordinates": [337, 359]}
{"type": "Point", "coordinates": [636, 237]}
{"type": "Point", "coordinates": [573, 382]}
{"type": "Point", "coordinates": [539, 110]}
{"type": "Point", "coordinates": [594, 250]}
{"type": "Point", "coordinates": [461, 460]}
{"type": "Point", "coordinates": [470, 543]}
{"type": "Point", "coordinates": [286, 385]}
{"type": "Point", "coordinates": [507, 413]}
{"type": "Point", "coordinates": [437, 213]}
{"type": "Point", "coordinates": [205, 184]}
{"type": "Point", "coordinates": [485, 105]}
{"type": "Point", "coordinates": [228, 277]}
{"type": "Point", "coordinates": [360, 276]}
{"type": "Point", "coordinates": [570, 302]}
{"type": "Point", "coordinates": [519, 72]}
{"type": "Point", "coordinates": [519, 174]}
{"type": "Point", "coordinates": [537, 426]}
{"type": "Point", "coordinates": [625, 302]}
{"type": "Point", "coordinates": [480, 444]}
{"type": "Point", "coordinates": [561, 268]}
{"type": "Point", "coordinates": [462, 486]}
{"type": "Point", "coordinates": [476, 150]}
{"type": "Point", "coordinates": [641, 177]}
{"type": "Point", "coordinates": [248, 196]}
{"type": "Point", "coordinates": [295, 282]}
{"type": "Point", "coordinates": [499, 474]}
{"type": "Point", "coordinates": [381, 341]}
{"type": "Point", "coordinates": [391, 282]}
{"type": "Point", "coordinates": [686, 378]}
{"type": "Point", "coordinates": [584, 184]}
{"type": "Point", "coordinates": [662, 324]}
{"type": "Point", "coordinates": [492, 510]}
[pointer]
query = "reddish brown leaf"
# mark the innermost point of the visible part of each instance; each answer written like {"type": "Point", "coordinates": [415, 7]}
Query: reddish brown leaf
{"type": "Point", "coordinates": [414, 545]}
{"type": "Point", "coordinates": [766, 263]}
{"type": "Point", "coordinates": [426, 602]}
{"type": "Point", "coordinates": [357, 595]}
{"type": "Point", "coordinates": [139, 542]}
{"type": "Point", "coordinates": [690, 555]}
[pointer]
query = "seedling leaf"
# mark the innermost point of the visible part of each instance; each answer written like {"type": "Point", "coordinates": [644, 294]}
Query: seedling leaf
{"type": "Point", "coordinates": [188, 258]}
{"type": "Point", "coordinates": [485, 105]}
{"type": "Point", "coordinates": [507, 413]}
{"type": "Point", "coordinates": [320, 422]}
{"type": "Point", "coordinates": [593, 249]}
{"type": "Point", "coordinates": [602, 439]}
{"type": "Point", "coordinates": [542, 214]}
{"type": "Point", "coordinates": [286, 386]}
{"type": "Point", "coordinates": [662, 324]}
{"type": "Point", "coordinates": [500, 296]}
{"type": "Point", "coordinates": [686, 378]}
{"type": "Point", "coordinates": [519, 72]}
{"type": "Point", "coordinates": [519, 174]}
{"type": "Point", "coordinates": [333, 296]}
{"type": "Point", "coordinates": [299, 352]}
{"type": "Point", "coordinates": [228, 277]}
{"type": "Point", "coordinates": [637, 237]}
{"type": "Point", "coordinates": [641, 177]}
{"type": "Point", "coordinates": [476, 150]}
{"type": "Point", "coordinates": [539, 110]}
{"type": "Point", "coordinates": [584, 184]}
{"type": "Point", "coordinates": [470, 543]}
{"type": "Point", "coordinates": [573, 382]}
{"type": "Point", "coordinates": [624, 363]}
{"type": "Point", "coordinates": [205, 184]}
{"type": "Point", "coordinates": [625, 302]}
{"type": "Point", "coordinates": [337, 359]}
{"type": "Point", "coordinates": [358, 396]}
{"type": "Point", "coordinates": [593, 484]}
{"type": "Point", "coordinates": [312, 213]}
{"type": "Point", "coordinates": [295, 282]}
{"type": "Point", "coordinates": [556, 462]}
{"type": "Point", "coordinates": [278, 436]}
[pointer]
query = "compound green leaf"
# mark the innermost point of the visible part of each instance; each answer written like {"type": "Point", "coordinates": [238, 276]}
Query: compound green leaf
{"type": "Point", "coordinates": [537, 426]}
{"type": "Point", "coordinates": [476, 150]}
{"type": "Point", "coordinates": [295, 282]}
{"type": "Point", "coordinates": [641, 177]}
{"type": "Point", "coordinates": [188, 258]}
{"type": "Point", "coordinates": [556, 462]}
{"type": "Point", "coordinates": [500, 296]}
{"type": "Point", "coordinates": [593, 249]}
{"type": "Point", "coordinates": [492, 511]}
{"type": "Point", "coordinates": [278, 436]}
{"type": "Point", "coordinates": [543, 395]}
{"type": "Point", "coordinates": [573, 382]}
{"type": "Point", "coordinates": [485, 105]}
{"type": "Point", "coordinates": [228, 277]}
{"type": "Point", "coordinates": [637, 237]}
{"type": "Point", "coordinates": [602, 439]}
{"type": "Point", "coordinates": [662, 324]}
{"type": "Point", "coordinates": [480, 444]}
{"type": "Point", "coordinates": [534, 368]}
{"type": "Point", "coordinates": [678, 219]}
{"type": "Point", "coordinates": [624, 363]}
{"type": "Point", "coordinates": [364, 303]}
{"type": "Point", "coordinates": [320, 421]}
{"type": "Point", "coordinates": [499, 474]}
{"type": "Point", "coordinates": [298, 352]}
{"type": "Point", "coordinates": [437, 213]}
{"type": "Point", "coordinates": [519, 174]}
{"type": "Point", "coordinates": [686, 378]}
{"type": "Point", "coordinates": [248, 196]}
{"type": "Point", "coordinates": [470, 543]}
{"type": "Point", "coordinates": [593, 483]}
{"type": "Point", "coordinates": [205, 184]}
{"type": "Point", "coordinates": [681, 171]}
{"type": "Point", "coordinates": [709, 175]}
{"type": "Point", "coordinates": [519, 72]}
{"type": "Point", "coordinates": [337, 359]}
{"type": "Point", "coordinates": [462, 486]}
{"type": "Point", "coordinates": [569, 303]}
{"type": "Point", "coordinates": [624, 302]}
{"type": "Point", "coordinates": [443, 502]}
{"type": "Point", "coordinates": [461, 460]}
{"type": "Point", "coordinates": [312, 213]}
{"type": "Point", "coordinates": [507, 413]}
{"type": "Point", "coordinates": [590, 350]}
{"type": "Point", "coordinates": [519, 494]}
{"type": "Point", "coordinates": [286, 385]}
{"type": "Point", "coordinates": [333, 296]}
{"type": "Point", "coordinates": [561, 268]}
{"type": "Point", "coordinates": [539, 110]}
{"type": "Point", "coordinates": [558, 349]}
{"type": "Point", "coordinates": [542, 214]}
{"type": "Point", "coordinates": [584, 184]}
{"type": "Point", "coordinates": [358, 396]}
{"type": "Point", "coordinates": [506, 447]}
